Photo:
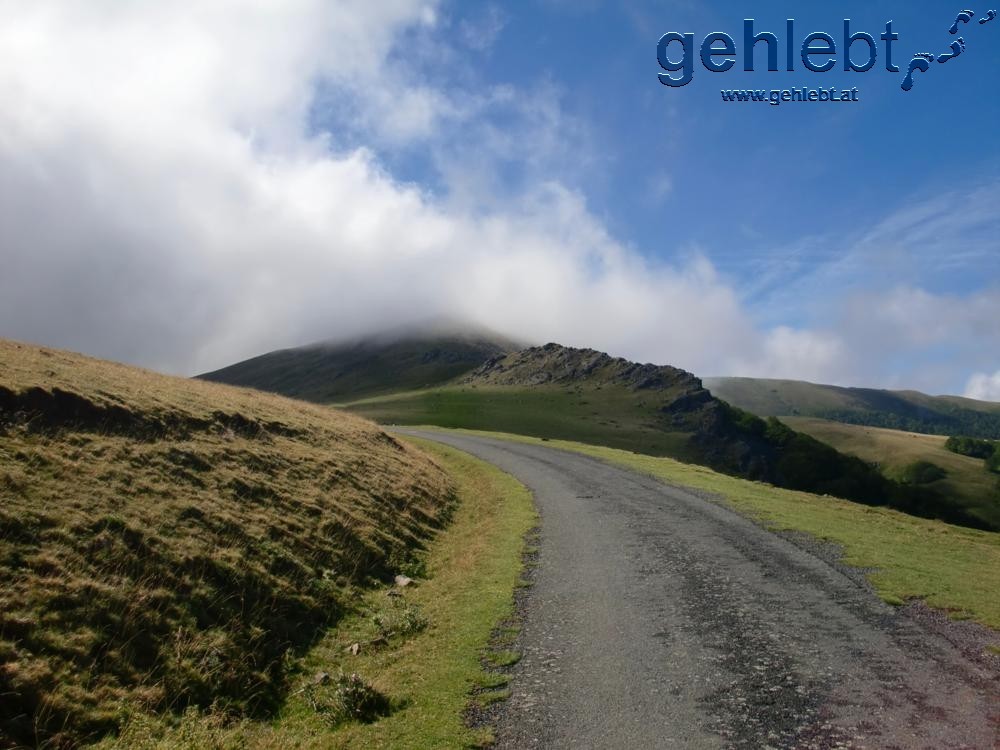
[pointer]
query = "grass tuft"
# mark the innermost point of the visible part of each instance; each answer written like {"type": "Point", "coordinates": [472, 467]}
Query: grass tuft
{"type": "Point", "coordinates": [398, 618]}
{"type": "Point", "coordinates": [502, 659]}
{"type": "Point", "coordinates": [348, 697]}
{"type": "Point", "coordinates": [489, 698]}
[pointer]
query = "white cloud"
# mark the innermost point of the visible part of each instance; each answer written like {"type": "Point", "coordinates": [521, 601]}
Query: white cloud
{"type": "Point", "coordinates": [167, 200]}
{"type": "Point", "coordinates": [659, 188]}
{"type": "Point", "coordinates": [482, 33]}
{"type": "Point", "coordinates": [817, 356]}
{"type": "Point", "coordinates": [984, 387]}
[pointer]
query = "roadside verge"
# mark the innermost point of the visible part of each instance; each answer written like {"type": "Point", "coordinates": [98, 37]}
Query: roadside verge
{"type": "Point", "coordinates": [410, 658]}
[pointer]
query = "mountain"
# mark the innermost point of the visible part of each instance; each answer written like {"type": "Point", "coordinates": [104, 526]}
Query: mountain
{"type": "Point", "coordinates": [167, 542]}
{"type": "Point", "coordinates": [404, 359]}
{"type": "Point", "coordinates": [910, 411]}
{"type": "Point", "coordinates": [584, 395]}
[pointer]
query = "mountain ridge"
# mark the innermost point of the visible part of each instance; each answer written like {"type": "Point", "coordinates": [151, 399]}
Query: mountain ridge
{"type": "Point", "coordinates": [907, 410]}
{"type": "Point", "coordinates": [554, 391]}
{"type": "Point", "coordinates": [561, 365]}
{"type": "Point", "coordinates": [585, 395]}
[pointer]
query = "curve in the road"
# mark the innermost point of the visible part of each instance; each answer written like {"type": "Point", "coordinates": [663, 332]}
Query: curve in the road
{"type": "Point", "coordinates": [661, 619]}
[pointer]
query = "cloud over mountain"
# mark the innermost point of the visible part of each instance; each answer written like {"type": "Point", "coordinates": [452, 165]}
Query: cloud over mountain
{"type": "Point", "coordinates": [183, 185]}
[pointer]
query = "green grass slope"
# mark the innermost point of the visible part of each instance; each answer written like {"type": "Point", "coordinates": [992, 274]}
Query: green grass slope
{"type": "Point", "coordinates": [168, 543]}
{"type": "Point", "coordinates": [579, 394]}
{"type": "Point", "coordinates": [606, 415]}
{"type": "Point", "coordinates": [909, 411]}
{"type": "Point", "coordinates": [966, 480]}
{"type": "Point", "coordinates": [403, 360]}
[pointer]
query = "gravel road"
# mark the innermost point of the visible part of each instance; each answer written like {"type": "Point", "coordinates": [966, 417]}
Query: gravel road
{"type": "Point", "coordinates": [660, 619]}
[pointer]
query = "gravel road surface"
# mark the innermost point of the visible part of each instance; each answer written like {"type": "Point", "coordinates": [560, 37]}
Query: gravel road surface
{"type": "Point", "coordinates": [660, 619]}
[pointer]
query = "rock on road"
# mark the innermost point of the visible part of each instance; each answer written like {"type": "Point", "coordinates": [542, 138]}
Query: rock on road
{"type": "Point", "coordinates": [661, 619]}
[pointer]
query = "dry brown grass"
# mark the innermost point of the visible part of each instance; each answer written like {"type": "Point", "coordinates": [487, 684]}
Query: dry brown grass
{"type": "Point", "coordinates": [167, 542]}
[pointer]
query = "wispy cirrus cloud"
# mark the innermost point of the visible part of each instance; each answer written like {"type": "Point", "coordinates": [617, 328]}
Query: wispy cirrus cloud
{"type": "Point", "coordinates": [482, 32]}
{"type": "Point", "coordinates": [925, 237]}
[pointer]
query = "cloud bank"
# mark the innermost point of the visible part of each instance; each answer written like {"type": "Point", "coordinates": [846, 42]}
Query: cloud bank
{"type": "Point", "coordinates": [984, 387]}
{"type": "Point", "coordinates": [187, 184]}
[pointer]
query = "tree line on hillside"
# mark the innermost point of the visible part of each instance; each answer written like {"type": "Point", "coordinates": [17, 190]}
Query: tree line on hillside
{"type": "Point", "coordinates": [988, 450]}
{"type": "Point", "coordinates": [983, 425]}
{"type": "Point", "coordinates": [797, 461]}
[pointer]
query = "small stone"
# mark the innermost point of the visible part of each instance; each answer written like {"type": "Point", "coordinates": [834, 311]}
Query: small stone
{"type": "Point", "coordinates": [403, 581]}
{"type": "Point", "coordinates": [354, 649]}
{"type": "Point", "coordinates": [321, 678]}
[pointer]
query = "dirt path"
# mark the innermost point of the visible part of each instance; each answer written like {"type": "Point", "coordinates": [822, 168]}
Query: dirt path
{"type": "Point", "coordinates": [660, 619]}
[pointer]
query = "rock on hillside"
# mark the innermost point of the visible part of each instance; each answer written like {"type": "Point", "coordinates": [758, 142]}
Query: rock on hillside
{"type": "Point", "coordinates": [678, 400]}
{"type": "Point", "coordinates": [559, 365]}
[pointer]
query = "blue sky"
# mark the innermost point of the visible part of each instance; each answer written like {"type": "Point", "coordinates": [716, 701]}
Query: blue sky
{"type": "Point", "coordinates": [763, 191]}
{"type": "Point", "coordinates": [799, 206]}
{"type": "Point", "coordinates": [773, 175]}
{"type": "Point", "coordinates": [229, 179]}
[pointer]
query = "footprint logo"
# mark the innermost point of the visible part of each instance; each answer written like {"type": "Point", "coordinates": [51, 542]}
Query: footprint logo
{"type": "Point", "coordinates": [957, 48]}
{"type": "Point", "coordinates": [964, 17]}
{"type": "Point", "coordinates": [922, 62]}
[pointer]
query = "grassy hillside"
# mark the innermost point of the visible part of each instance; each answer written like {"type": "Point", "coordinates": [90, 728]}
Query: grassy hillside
{"type": "Point", "coordinates": [579, 394]}
{"type": "Point", "coordinates": [966, 479]}
{"type": "Point", "coordinates": [949, 567]}
{"type": "Point", "coordinates": [909, 411]}
{"type": "Point", "coordinates": [395, 361]}
{"type": "Point", "coordinates": [171, 543]}
{"type": "Point", "coordinates": [465, 590]}
{"type": "Point", "coordinates": [610, 415]}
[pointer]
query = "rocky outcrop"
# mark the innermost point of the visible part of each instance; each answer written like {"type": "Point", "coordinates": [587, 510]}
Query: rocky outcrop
{"type": "Point", "coordinates": [554, 364]}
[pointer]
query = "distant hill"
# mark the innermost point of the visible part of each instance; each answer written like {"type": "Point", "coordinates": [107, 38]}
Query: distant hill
{"type": "Point", "coordinates": [401, 360]}
{"type": "Point", "coordinates": [910, 411]}
{"type": "Point", "coordinates": [581, 394]}
{"type": "Point", "coordinates": [167, 542]}
{"type": "Point", "coordinates": [965, 480]}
